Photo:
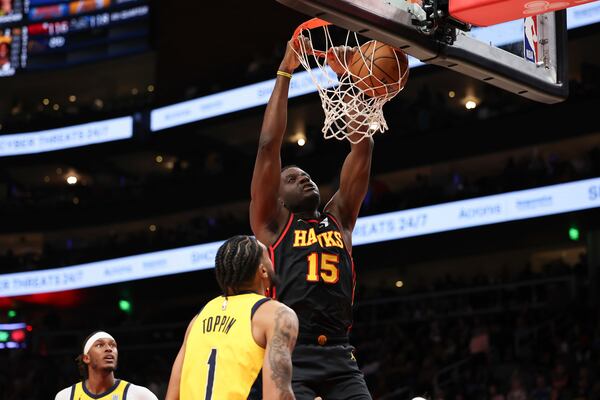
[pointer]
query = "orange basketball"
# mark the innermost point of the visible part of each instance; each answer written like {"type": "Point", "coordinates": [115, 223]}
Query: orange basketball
{"type": "Point", "coordinates": [378, 70]}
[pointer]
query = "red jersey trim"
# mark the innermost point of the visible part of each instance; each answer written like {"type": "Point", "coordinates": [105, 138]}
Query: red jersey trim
{"type": "Point", "coordinates": [284, 232]}
{"type": "Point", "coordinates": [334, 220]}
{"type": "Point", "coordinates": [271, 292]}
{"type": "Point", "coordinates": [342, 232]}
{"type": "Point", "coordinates": [353, 291]}
{"type": "Point", "coordinates": [351, 260]}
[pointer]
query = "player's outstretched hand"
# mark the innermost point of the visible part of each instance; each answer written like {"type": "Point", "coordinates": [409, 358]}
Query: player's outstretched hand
{"type": "Point", "coordinates": [290, 60]}
{"type": "Point", "coordinates": [339, 58]}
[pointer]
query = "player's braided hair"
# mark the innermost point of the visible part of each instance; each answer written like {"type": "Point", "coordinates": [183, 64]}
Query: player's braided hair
{"type": "Point", "coordinates": [236, 262]}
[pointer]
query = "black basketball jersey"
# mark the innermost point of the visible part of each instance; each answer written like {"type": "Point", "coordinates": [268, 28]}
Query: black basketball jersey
{"type": "Point", "coordinates": [316, 273]}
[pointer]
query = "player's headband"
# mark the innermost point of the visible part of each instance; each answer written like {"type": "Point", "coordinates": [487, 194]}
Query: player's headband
{"type": "Point", "coordinates": [93, 338]}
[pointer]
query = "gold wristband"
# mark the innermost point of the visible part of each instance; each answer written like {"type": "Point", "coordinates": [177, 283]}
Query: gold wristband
{"type": "Point", "coordinates": [283, 73]}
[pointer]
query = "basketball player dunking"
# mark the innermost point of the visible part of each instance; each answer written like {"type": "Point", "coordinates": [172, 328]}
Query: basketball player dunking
{"type": "Point", "coordinates": [311, 250]}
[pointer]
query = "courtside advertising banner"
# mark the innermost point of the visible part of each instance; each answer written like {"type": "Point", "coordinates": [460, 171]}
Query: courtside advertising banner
{"type": "Point", "coordinates": [513, 206]}
{"type": "Point", "coordinates": [62, 138]}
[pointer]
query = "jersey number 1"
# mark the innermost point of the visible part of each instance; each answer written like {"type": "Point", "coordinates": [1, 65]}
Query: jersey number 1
{"type": "Point", "coordinates": [328, 270]}
{"type": "Point", "coordinates": [212, 364]}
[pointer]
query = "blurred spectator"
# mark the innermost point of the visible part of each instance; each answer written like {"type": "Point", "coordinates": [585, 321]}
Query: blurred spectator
{"type": "Point", "coordinates": [542, 390]}
{"type": "Point", "coordinates": [494, 394]}
{"type": "Point", "coordinates": [516, 391]}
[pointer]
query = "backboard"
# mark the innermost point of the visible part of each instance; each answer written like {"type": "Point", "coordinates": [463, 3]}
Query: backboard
{"type": "Point", "coordinates": [526, 56]}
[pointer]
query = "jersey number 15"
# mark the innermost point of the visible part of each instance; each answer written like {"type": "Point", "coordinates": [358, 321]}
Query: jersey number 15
{"type": "Point", "coordinates": [327, 269]}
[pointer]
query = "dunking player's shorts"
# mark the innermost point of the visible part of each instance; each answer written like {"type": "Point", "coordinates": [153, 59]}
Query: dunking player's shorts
{"type": "Point", "coordinates": [329, 371]}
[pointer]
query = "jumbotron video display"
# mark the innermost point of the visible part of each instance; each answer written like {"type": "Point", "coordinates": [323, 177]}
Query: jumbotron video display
{"type": "Point", "coordinates": [47, 34]}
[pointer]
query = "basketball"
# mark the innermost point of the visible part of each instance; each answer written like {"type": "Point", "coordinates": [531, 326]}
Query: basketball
{"type": "Point", "coordinates": [379, 69]}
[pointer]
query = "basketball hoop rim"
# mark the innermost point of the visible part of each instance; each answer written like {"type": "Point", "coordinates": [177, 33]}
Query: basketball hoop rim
{"type": "Point", "coordinates": [308, 25]}
{"type": "Point", "coordinates": [345, 104]}
{"type": "Point", "coordinates": [319, 23]}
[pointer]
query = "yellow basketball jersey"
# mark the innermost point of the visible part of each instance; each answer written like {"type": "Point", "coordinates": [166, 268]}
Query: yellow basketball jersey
{"type": "Point", "coordinates": [222, 360]}
{"type": "Point", "coordinates": [117, 392]}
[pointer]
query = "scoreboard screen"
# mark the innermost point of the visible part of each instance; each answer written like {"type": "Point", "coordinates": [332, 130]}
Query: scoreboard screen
{"type": "Point", "coordinates": [45, 34]}
{"type": "Point", "coordinates": [10, 11]}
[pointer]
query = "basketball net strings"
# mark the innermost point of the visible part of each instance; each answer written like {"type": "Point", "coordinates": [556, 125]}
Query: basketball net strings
{"type": "Point", "coordinates": [349, 112]}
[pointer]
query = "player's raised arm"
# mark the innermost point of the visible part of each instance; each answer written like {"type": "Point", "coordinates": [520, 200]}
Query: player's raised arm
{"type": "Point", "coordinates": [267, 215]}
{"type": "Point", "coordinates": [354, 183]}
{"type": "Point", "coordinates": [175, 379]}
{"type": "Point", "coordinates": [281, 334]}
{"type": "Point", "coordinates": [354, 177]}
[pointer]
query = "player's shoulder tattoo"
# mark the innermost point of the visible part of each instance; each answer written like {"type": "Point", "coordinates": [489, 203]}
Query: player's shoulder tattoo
{"type": "Point", "coordinates": [284, 338]}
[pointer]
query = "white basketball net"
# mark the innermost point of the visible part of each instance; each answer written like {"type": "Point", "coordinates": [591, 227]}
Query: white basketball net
{"type": "Point", "coordinates": [350, 113]}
